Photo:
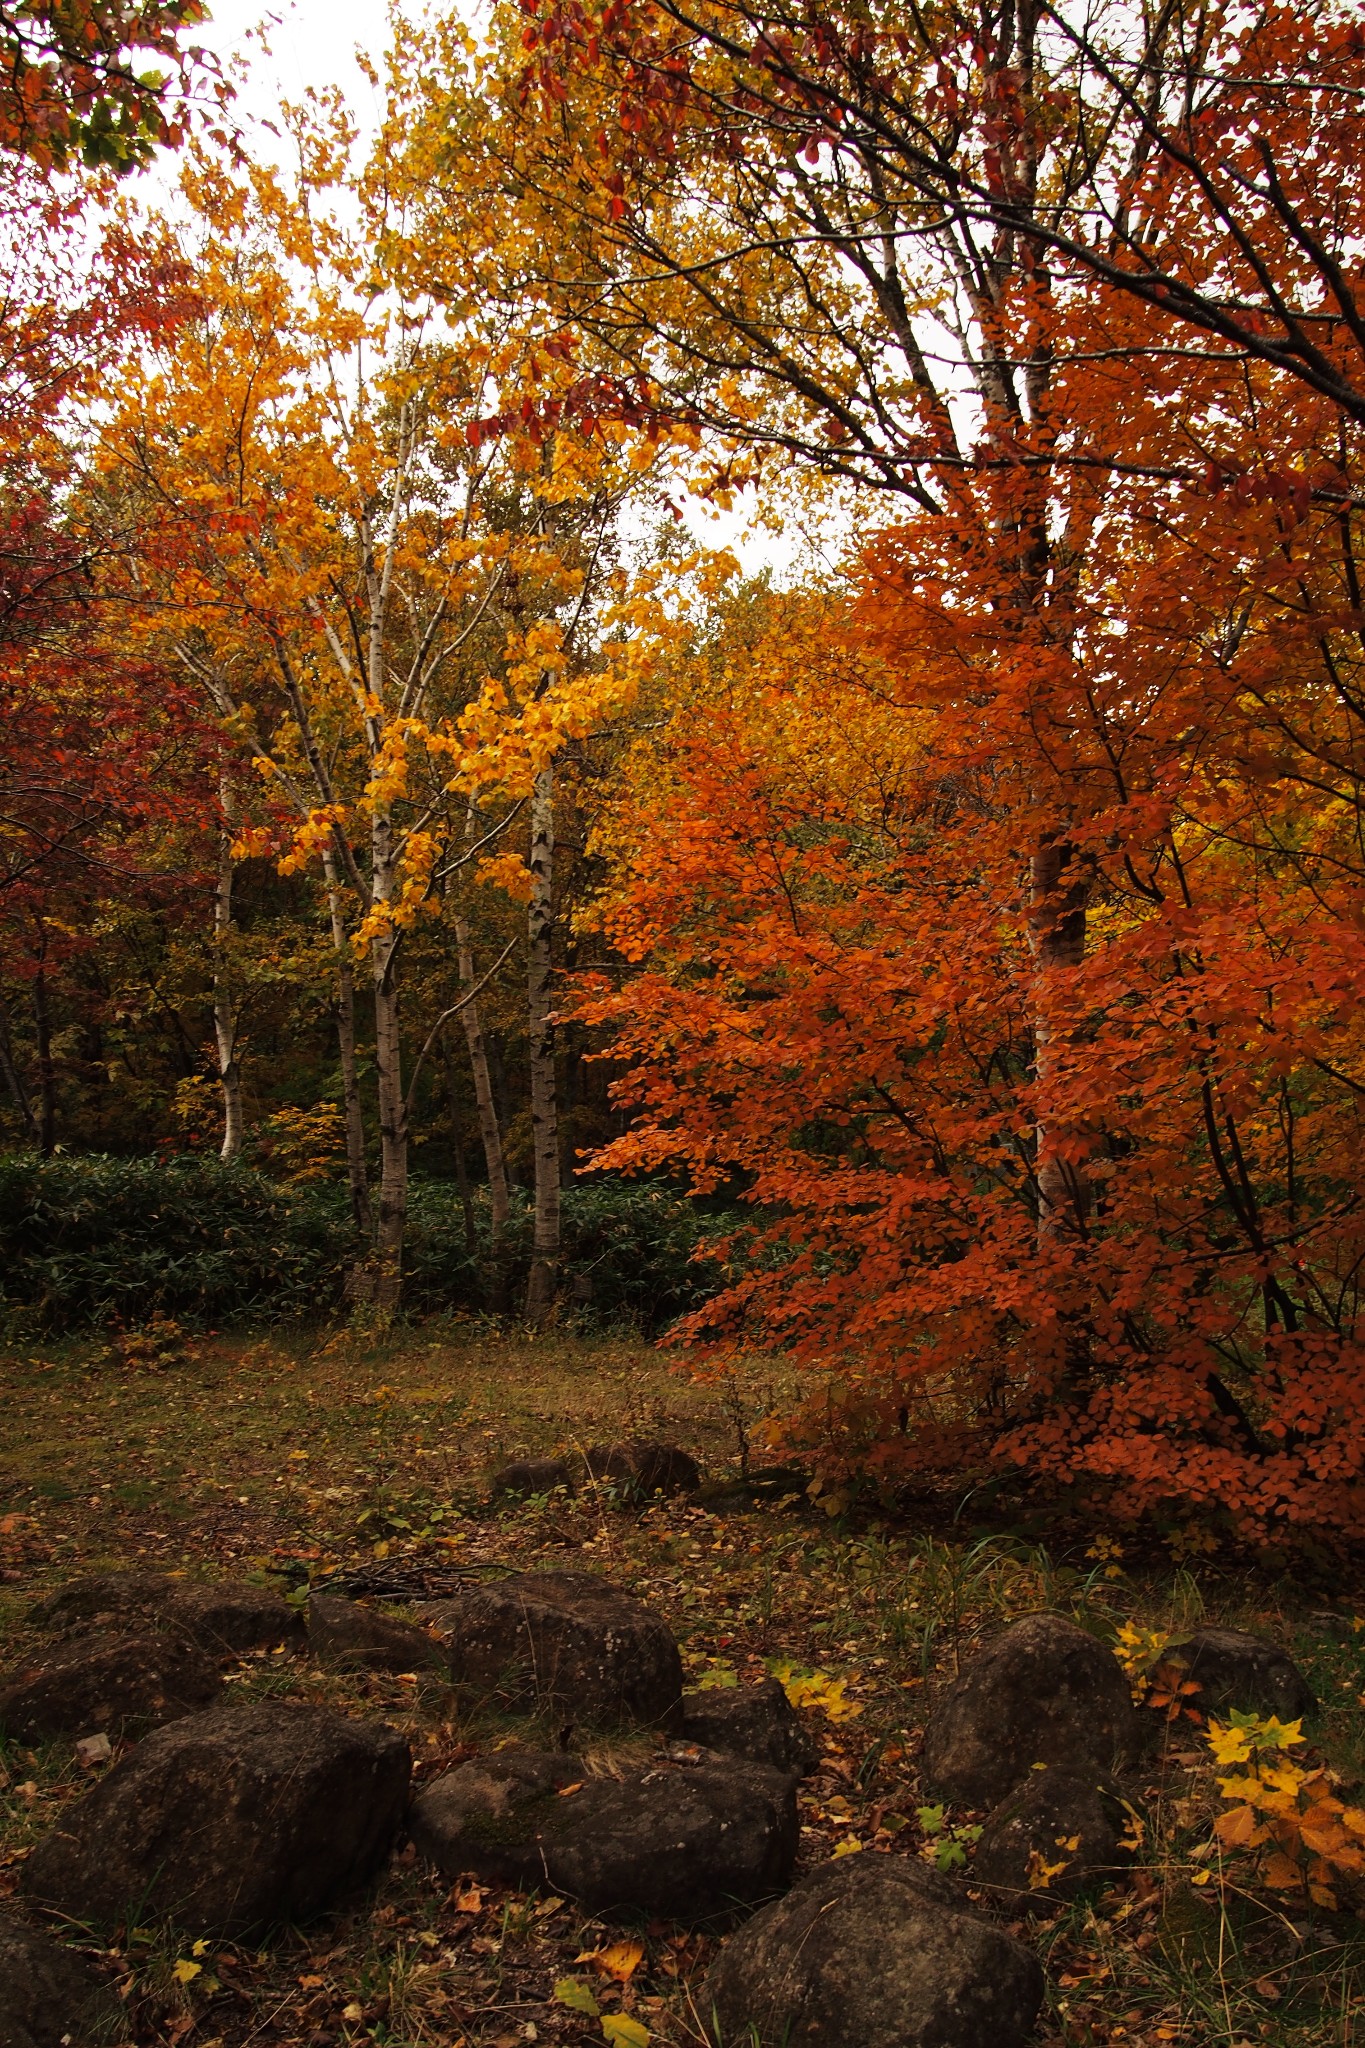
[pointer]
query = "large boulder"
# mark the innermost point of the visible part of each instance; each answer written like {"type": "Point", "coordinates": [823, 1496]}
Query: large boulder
{"type": "Point", "coordinates": [111, 1683]}
{"type": "Point", "coordinates": [695, 1842]}
{"type": "Point", "coordinates": [349, 1636]}
{"type": "Point", "coordinates": [1236, 1670]}
{"type": "Point", "coordinates": [525, 1477]}
{"type": "Point", "coordinates": [229, 1822]}
{"type": "Point", "coordinates": [753, 1721]}
{"type": "Point", "coordinates": [1044, 1692]}
{"type": "Point", "coordinates": [48, 1997]}
{"type": "Point", "coordinates": [870, 1949]}
{"type": "Point", "coordinates": [225, 1619]}
{"type": "Point", "coordinates": [641, 1468]}
{"type": "Point", "coordinates": [568, 1642]}
{"type": "Point", "coordinates": [1059, 1832]}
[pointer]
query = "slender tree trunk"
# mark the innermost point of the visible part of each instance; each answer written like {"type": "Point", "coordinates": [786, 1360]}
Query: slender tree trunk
{"type": "Point", "coordinates": [356, 1170]}
{"type": "Point", "coordinates": [490, 1133]}
{"type": "Point", "coordinates": [47, 1076]}
{"type": "Point", "coordinates": [544, 1278]}
{"type": "Point", "coordinates": [14, 1080]}
{"type": "Point", "coordinates": [1059, 889]}
{"type": "Point", "coordinates": [485, 1101]}
{"type": "Point", "coordinates": [471, 1236]}
{"type": "Point", "coordinates": [388, 1059]}
{"type": "Point", "coordinates": [224, 1007]}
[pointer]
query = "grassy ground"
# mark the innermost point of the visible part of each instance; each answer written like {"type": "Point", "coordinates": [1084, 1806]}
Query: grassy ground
{"type": "Point", "coordinates": [291, 1455]}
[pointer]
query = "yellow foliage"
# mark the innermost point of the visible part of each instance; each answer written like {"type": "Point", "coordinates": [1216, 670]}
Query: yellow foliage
{"type": "Point", "coordinates": [1285, 1814]}
{"type": "Point", "coordinates": [815, 1689]}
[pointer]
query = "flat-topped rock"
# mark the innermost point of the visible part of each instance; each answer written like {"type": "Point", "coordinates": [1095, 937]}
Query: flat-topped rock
{"type": "Point", "coordinates": [753, 1721]}
{"type": "Point", "coordinates": [103, 1598]}
{"type": "Point", "coordinates": [234, 1619]}
{"type": "Point", "coordinates": [49, 1998]}
{"type": "Point", "coordinates": [873, 1949]}
{"type": "Point", "coordinates": [1232, 1669]}
{"type": "Point", "coordinates": [1044, 1692]}
{"type": "Point", "coordinates": [115, 1684]}
{"type": "Point", "coordinates": [696, 1842]}
{"type": "Point", "coordinates": [351, 1636]}
{"type": "Point", "coordinates": [227, 1619]}
{"type": "Point", "coordinates": [246, 1817]}
{"type": "Point", "coordinates": [566, 1642]}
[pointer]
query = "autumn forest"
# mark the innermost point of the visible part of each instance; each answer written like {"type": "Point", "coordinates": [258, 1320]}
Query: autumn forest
{"type": "Point", "coordinates": [682, 761]}
{"type": "Point", "coordinates": [954, 891]}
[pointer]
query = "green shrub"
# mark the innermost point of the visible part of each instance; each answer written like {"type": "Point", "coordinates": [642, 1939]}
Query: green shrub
{"type": "Point", "coordinates": [114, 1240]}
{"type": "Point", "coordinates": [98, 1240]}
{"type": "Point", "coordinates": [628, 1253]}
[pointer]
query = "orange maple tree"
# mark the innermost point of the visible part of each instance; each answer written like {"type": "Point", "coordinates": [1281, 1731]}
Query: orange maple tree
{"type": "Point", "coordinates": [1029, 1022]}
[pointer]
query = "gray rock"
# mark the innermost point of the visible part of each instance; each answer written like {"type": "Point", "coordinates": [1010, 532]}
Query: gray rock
{"type": "Point", "coordinates": [527, 1476]}
{"type": "Point", "coordinates": [48, 1997]}
{"type": "Point", "coordinates": [753, 1721]}
{"type": "Point", "coordinates": [105, 1598]}
{"type": "Point", "coordinates": [114, 1683]}
{"type": "Point", "coordinates": [1055, 1835]}
{"type": "Point", "coordinates": [640, 1469]}
{"type": "Point", "coordinates": [1236, 1670]}
{"type": "Point", "coordinates": [480, 1817]}
{"type": "Point", "coordinates": [872, 1949]}
{"type": "Point", "coordinates": [345, 1634]}
{"type": "Point", "coordinates": [225, 1619]}
{"type": "Point", "coordinates": [234, 1619]}
{"type": "Point", "coordinates": [568, 1642]}
{"type": "Point", "coordinates": [229, 1822]}
{"type": "Point", "coordinates": [1044, 1692]}
{"type": "Point", "coordinates": [695, 1842]}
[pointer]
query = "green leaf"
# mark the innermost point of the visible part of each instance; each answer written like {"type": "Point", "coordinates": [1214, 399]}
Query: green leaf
{"type": "Point", "coordinates": [571, 1991]}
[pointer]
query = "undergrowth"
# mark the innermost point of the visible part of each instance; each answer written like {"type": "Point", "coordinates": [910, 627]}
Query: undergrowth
{"type": "Point", "coordinates": [299, 1456]}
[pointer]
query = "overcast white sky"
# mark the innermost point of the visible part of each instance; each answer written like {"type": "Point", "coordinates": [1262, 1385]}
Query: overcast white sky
{"type": "Point", "coordinates": [313, 43]}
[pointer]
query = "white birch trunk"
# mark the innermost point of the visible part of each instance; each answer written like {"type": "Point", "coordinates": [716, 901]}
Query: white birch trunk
{"type": "Point", "coordinates": [393, 1112]}
{"type": "Point", "coordinates": [224, 1003]}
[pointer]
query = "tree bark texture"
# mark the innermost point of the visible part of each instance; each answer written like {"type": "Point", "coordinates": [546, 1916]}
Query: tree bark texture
{"type": "Point", "coordinates": [224, 1001]}
{"type": "Point", "coordinates": [388, 1057]}
{"type": "Point", "coordinates": [485, 1101]}
{"type": "Point", "coordinates": [543, 1283]}
{"type": "Point", "coordinates": [471, 1236]}
{"type": "Point", "coordinates": [1059, 888]}
{"type": "Point", "coordinates": [357, 1172]}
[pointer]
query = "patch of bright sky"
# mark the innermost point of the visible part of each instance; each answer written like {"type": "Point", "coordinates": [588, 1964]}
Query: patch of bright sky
{"type": "Point", "coordinates": [277, 56]}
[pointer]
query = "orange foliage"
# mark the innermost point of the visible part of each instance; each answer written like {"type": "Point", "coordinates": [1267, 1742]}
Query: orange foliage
{"type": "Point", "coordinates": [1063, 1173]}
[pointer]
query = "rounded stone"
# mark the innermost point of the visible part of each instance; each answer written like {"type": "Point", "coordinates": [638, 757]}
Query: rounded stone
{"type": "Point", "coordinates": [1044, 1692]}
{"type": "Point", "coordinates": [872, 1949]}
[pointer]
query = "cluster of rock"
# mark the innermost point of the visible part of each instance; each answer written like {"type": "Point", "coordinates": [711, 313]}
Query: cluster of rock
{"type": "Point", "coordinates": [230, 1816]}
{"type": "Point", "coordinates": [1040, 1730]}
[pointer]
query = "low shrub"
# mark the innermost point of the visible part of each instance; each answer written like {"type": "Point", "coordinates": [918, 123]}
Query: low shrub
{"type": "Point", "coordinates": [117, 1241]}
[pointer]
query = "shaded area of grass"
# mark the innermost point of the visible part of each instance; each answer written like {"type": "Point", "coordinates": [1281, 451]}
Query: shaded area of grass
{"type": "Point", "coordinates": [297, 1454]}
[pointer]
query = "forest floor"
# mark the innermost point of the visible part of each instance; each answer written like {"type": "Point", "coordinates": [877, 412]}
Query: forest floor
{"type": "Point", "coordinates": [294, 1454]}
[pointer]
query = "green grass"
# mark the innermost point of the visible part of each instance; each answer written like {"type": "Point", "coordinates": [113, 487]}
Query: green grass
{"type": "Point", "coordinates": [293, 1454]}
